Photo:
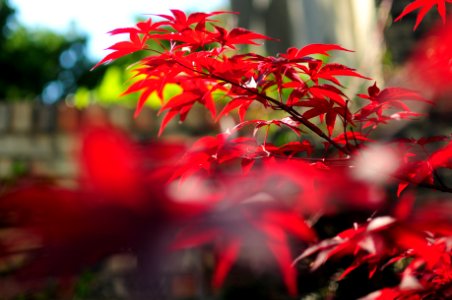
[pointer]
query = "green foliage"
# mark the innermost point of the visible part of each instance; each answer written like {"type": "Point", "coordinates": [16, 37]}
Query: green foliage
{"type": "Point", "coordinates": [110, 90]}
{"type": "Point", "coordinates": [39, 63]}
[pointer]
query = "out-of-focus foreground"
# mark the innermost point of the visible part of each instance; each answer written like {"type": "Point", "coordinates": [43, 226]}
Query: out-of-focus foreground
{"type": "Point", "coordinates": [245, 173]}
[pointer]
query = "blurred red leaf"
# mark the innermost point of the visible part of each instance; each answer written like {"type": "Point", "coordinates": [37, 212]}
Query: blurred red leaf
{"type": "Point", "coordinates": [225, 261]}
{"type": "Point", "coordinates": [430, 62]}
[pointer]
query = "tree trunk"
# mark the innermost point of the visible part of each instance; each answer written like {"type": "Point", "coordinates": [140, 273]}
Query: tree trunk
{"type": "Point", "coordinates": [352, 24]}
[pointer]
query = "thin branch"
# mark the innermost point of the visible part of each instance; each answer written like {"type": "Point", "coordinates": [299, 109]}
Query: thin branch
{"type": "Point", "coordinates": [347, 146]}
{"type": "Point", "coordinates": [295, 114]}
{"type": "Point", "coordinates": [439, 179]}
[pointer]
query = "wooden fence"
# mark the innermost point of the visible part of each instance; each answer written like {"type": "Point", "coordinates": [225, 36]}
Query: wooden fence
{"type": "Point", "coordinates": [42, 139]}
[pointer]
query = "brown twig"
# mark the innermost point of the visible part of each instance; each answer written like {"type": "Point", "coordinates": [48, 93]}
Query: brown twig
{"type": "Point", "coordinates": [298, 117]}
{"type": "Point", "coordinates": [293, 113]}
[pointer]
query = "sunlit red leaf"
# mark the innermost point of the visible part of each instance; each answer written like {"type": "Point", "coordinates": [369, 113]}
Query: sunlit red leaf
{"type": "Point", "coordinates": [384, 100]}
{"type": "Point", "coordinates": [143, 27]}
{"type": "Point", "coordinates": [239, 36]}
{"type": "Point", "coordinates": [121, 49]}
{"type": "Point", "coordinates": [396, 93]}
{"type": "Point", "coordinates": [294, 53]}
{"type": "Point", "coordinates": [424, 6]}
{"type": "Point", "coordinates": [242, 103]}
{"type": "Point", "coordinates": [328, 91]}
{"type": "Point", "coordinates": [329, 72]}
{"type": "Point", "coordinates": [253, 193]}
{"type": "Point", "coordinates": [179, 20]}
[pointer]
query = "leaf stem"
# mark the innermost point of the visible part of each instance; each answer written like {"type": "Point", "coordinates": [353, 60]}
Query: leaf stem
{"type": "Point", "coordinates": [292, 112]}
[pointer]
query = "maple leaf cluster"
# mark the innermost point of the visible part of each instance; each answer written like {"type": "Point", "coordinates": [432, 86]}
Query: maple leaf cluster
{"type": "Point", "coordinates": [241, 189]}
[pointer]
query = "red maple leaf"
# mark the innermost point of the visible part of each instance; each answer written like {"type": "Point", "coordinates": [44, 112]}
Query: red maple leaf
{"type": "Point", "coordinates": [424, 6]}
{"type": "Point", "coordinates": [238, 36]}
{"type": "Point", "coordinates": [121, 49]}
{"type": "Point", "coordinates": [421, 170]}
{"type": "Point", "coordinates": [295, 54]}
{"type": "Point", "coordinates": [138, 37]}
{"type": "Point", "coordinates": [326, 110]}
{"type": "Point", "coordinates": [383, 100]}
{"type": "Point", "coordinates": [245, 220]}
{"type": "Point", "coordinates": [180, 22]}
{"type": "Point", "coordinates": [318, 70]}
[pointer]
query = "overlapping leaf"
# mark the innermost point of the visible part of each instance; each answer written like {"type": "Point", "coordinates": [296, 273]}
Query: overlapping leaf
{"type": "Point", "coordinates": [248, 221]}
{"type": "Point", "coordinates": [373, 113]}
